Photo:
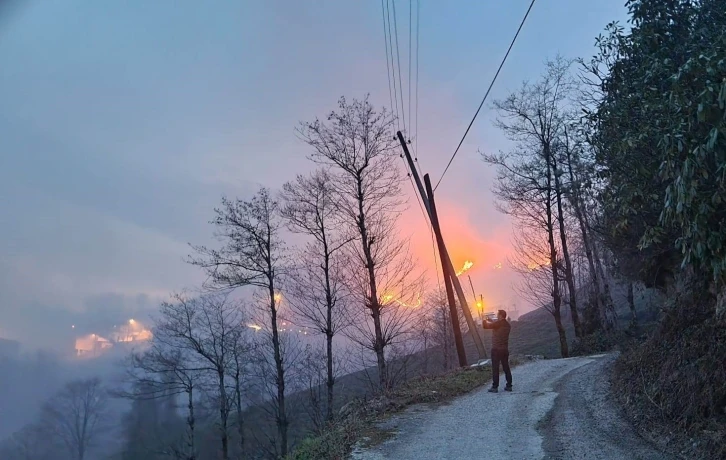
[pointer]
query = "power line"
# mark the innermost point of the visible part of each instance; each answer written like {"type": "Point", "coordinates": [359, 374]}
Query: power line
{"type": "Point", "coordinates": [410, 52]}
{"type": "Point", "coordinates": [398, 58]}
{"type": "Point", "coordinates": [418, 12]}
{"type": "Point", "coordinates": [415, 137]}
{"type": "Point", "coordinates": [426, 219]}
{"type": "Point", "coordinates": [393, 65]}
{"type": "Point", "coordinates": [487, 93]}
{"type": "Point", "coordinates": [388, 68]}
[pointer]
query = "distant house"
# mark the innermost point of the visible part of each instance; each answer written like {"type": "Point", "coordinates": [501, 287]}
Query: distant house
{"type": "Point", "coordinates": [91, 345]}
{"type": "Point", "coordinates": [125, 335]}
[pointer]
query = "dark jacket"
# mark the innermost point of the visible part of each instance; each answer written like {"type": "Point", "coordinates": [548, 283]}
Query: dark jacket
{"type": "Point", "coordinates": [500, 333]}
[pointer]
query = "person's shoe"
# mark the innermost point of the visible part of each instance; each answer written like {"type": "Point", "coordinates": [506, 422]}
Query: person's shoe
{"type": "Point", "coordinates": [493, 390]}
{"type": "Point", "coordinates": [508, 388]}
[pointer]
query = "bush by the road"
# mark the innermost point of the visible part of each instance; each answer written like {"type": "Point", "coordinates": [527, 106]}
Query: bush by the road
{"type": "Point", "coordinates": [673, 385]}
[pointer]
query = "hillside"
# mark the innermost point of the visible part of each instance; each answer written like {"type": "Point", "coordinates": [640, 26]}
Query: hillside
{"type": "Point", "coordinates": [533, 334]}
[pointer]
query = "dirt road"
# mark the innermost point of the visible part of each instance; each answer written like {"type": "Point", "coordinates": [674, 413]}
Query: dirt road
{"type": "Point", "coordinates": [559, 409]}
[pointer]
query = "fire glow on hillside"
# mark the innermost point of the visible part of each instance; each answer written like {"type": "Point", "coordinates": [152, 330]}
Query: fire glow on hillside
{"type": "Point", "coordinates": [390, 298]}
{"type": "Point", "coordinates": [532, 265]}
{"type": "Point", "coordinates": [467, 265]}
{"type": "Point", "coordinates": [92, 345]}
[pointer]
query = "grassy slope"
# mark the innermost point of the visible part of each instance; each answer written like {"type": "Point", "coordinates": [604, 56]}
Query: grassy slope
{"type": "Point", "coordinates": [534, 334]}
{"type": "Point", "coordinates": [360, 421]}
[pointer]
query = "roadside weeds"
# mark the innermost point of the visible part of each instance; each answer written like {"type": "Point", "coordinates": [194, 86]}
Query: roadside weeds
{"type": "Point", "coordinates": [359, 421]}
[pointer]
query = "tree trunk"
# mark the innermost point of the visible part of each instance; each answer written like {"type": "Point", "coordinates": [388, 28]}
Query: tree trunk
{"type": "Point", "coordinates": [329, 330]}
{"type": "Point", "coordinates": [569, 278]}
{"type": "Point", "coordinates": [577, 205]}
{"type": "Point", "coordinates": [240, 417]}
{"type": "Point", "coordinates": [331, 377]}
{"type": "Point", "coordinates": [280, 383]}
{"type": "Point", "coordinates": [375, 306]}
{"type": "Point", "coordinates": [631, 303]}
{"type": "Point", "coordinates": [608, 314]}
{"type": "Point", "coordinates": [191, 444]}
{"type": "Point", "coordinates": [564, 350]}
{"type": "Point", "coordinates": [379, 347]}
{"type": "Point", "coordinates": [223, 415]}
{"type": "Point", "coordinates": [556, 295]}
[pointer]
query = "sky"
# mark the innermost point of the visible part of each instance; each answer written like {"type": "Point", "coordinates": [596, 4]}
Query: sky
{"type": "Point", "coordinates": [122, 124]}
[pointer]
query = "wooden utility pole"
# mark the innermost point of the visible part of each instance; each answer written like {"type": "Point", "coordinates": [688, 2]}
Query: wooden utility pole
{"type": "Point", "coordinates": [445, 259]}
{"type": "Point", "coordinates": [473, 292]}
{"type": "Point", "coordinates": [458, 340]}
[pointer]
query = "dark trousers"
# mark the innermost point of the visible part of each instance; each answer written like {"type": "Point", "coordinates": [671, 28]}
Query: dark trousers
{"type": "Point", "coordinates": [500, 356]}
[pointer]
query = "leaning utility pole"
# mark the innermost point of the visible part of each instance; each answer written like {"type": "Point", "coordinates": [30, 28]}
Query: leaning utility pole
{"type": "Point", "coordinates": [458, 340]}
{"type": "Point", "coordinates": [445, 259]}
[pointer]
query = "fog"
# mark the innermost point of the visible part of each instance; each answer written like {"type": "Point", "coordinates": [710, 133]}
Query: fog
{"type": "Point", "coordinates": [122, 126]}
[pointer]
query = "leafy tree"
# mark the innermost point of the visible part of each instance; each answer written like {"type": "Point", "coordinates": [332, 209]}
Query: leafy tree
{"type": "Point", "coordinates": [659, 130]}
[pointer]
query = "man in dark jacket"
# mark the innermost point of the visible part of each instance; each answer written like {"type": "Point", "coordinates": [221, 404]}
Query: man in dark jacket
{"type": "Point", "coordinates": [500, 349]}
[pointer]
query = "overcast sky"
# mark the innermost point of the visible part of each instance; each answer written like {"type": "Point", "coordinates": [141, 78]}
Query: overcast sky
{"type": "Point", "coordinates": [123, 123]}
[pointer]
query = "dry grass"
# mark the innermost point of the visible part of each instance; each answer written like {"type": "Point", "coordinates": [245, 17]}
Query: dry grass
{"type": "Point", "coordinates": [359, 418]}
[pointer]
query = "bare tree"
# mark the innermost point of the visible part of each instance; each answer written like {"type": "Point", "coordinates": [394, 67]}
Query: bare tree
{"type": "Point", "coordinates": [313, 372]}
{"type": "Point", "coordinates": [152, 427]}
{"type": "Point", "coordinates": [253, 254]}
{"type": "Point", "coordinates": [539, 277]}
{"type": "Point", "coordinates": [577, 159]}
{"type": "Point", "coordinates": [356, 142]}
{"type": "Point", "coordinates": [210, 326]}
{"type": "Point", "coordinates": [525, 190]}
{"type": "Point", "coordinates": [529, 184]}
{"type": "Point", "coordinates": [315, 292]}
{"type": "Point", "coordinates": [440, 330]}
{"type": "Point", "coordinates": [77, 415]}
{"type": "Point", "coordinates": [163, 371]}
{"type": "Point", "coordinates": [238, 370]}
{"type": "Point", "coordinates": [267, 386]}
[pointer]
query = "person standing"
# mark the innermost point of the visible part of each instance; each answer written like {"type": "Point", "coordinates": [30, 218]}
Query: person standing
{"type": "Point", "coordinates": [500, 349]}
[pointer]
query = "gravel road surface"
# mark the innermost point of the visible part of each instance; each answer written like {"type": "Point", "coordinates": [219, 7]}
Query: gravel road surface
{"type": "Point", "coordinates": [559, 409]}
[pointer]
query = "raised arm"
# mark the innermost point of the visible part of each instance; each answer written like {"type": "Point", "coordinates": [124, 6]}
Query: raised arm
{"type": "Point", "coordinates": [486, 324]}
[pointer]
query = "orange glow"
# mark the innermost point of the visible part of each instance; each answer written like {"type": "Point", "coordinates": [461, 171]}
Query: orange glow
{"type": "Point", "coordinates": [134, 331]}
{"type": "Point", "coordinates": [91, 345]}
{"type": "Point", "coordinates": [498, 266]}
{"type": "Point", "coordinates": [467, 266]}
{"type": "Point", "coordinates": [471, 232]}
{"type": "Point", "coordinates": [532, 265]}
{"type": "Point", "coordinates": [386, 298]}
